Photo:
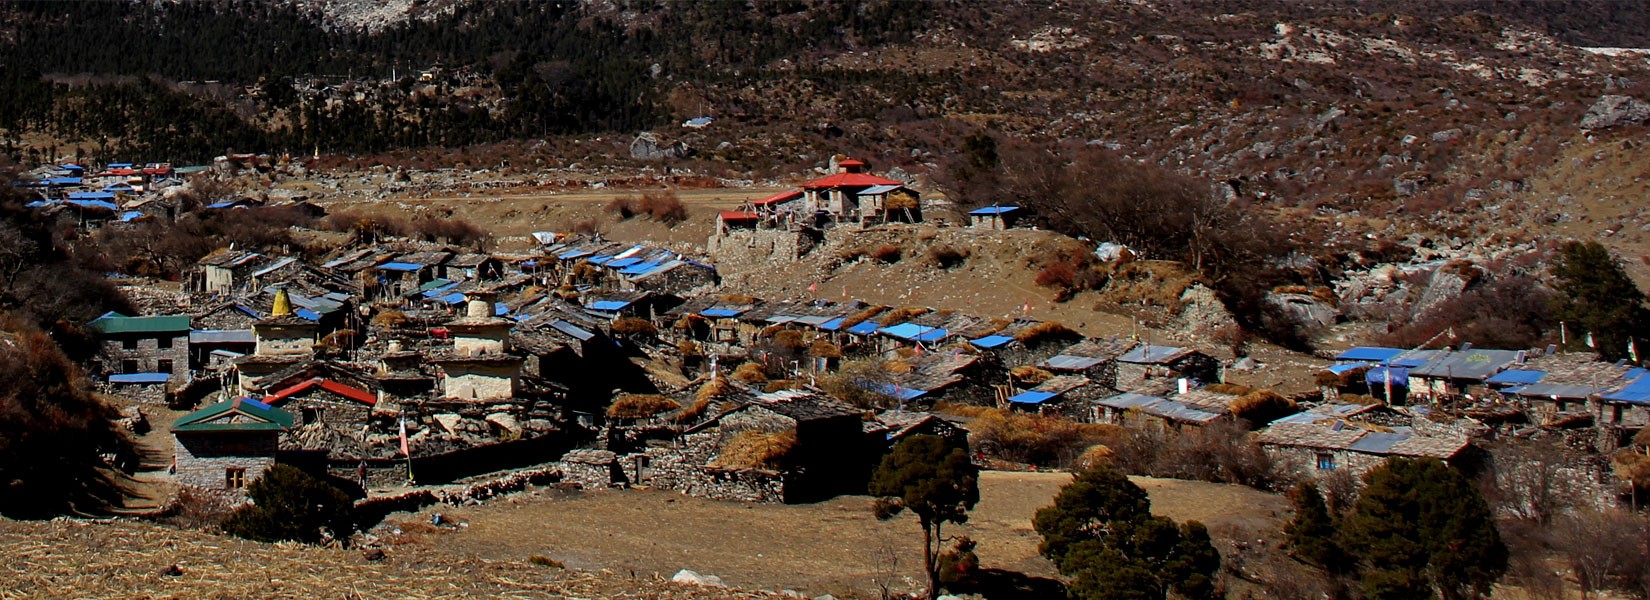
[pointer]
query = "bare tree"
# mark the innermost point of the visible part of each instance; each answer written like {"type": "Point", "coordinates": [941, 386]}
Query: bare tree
{"type": "Point", "coordinates": [1606, 550]}
{"type": "Point", "coordinates": [1532, 481]}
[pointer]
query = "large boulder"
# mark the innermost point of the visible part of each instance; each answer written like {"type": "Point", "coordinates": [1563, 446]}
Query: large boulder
{"type": "Point", "coordinates": [1611, 111]}
{"type": "Point", "coordinates": [648, 147]}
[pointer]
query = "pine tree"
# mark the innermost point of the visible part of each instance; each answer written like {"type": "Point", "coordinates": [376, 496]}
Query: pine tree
{"type": "Point", "coordinates": [1311, 534]}
{"type": "Point", "coordinates": [936, 481]}
{"type": "Point", "coordinates": [1599, 299]}
{"type": "Point", "coordinates": [1100, 532]}
{"type": "Point", "coordinates": [1421, 529]}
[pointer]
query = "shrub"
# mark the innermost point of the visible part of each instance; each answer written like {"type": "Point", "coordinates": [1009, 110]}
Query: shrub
{"type": "Point", "coordinates": [640, 406]}
{"type": "Point", "coordinates": [887, 254]}
{"type": "Point", "coordinates": [1060, 275]}
{"type": "Point", "coordinates": [289, 504]}
{"type": "Point", "coordinates": [1036, 439]}
{"type": "Point", "coordinates": [545, 561]}
{"type": "Point", "coordinates": [947, 257]}
{"type": "Point", "coordinates": [662, 207]}
{"type": "Point", "coordinates": [447, 231]}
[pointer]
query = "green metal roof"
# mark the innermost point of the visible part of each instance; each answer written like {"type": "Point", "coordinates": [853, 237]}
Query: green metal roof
{"type": "Point", "coordinates": [222, 416]}
{"type": "Point", "coordinates": [114, 324]}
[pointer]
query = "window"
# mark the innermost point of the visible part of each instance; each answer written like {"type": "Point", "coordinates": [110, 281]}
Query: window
{"type": "Point", "coordinates": [163, 343]}
{"type": "Point", "coordinates": [128, 344]}
{"type": "Point", "coordinates": [1326, 461]}
{"type": "Point", "coordinates": [312, 415]}
{"type": "Point", "coordinates": [163, 365]}
{"type": "Point", "coordinates": [234, 478]}
{"type": "Point", "coordinates": [128, 366]}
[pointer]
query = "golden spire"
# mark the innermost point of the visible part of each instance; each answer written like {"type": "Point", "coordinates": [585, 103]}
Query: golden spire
{"type": "Point", "coordinates": [283, 304]}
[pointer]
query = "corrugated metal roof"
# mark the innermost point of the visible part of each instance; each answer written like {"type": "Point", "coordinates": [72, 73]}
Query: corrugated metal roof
{"type": "Point", "coordinates": [1516, 376]}
{"type": "Point", "coordinates": [222, 336]}
{"type": "Point", "coordinates": [1066, 362]}
{"type": "Point", "coordinates": [994, 210]}
{"type": "Point", "coordinates": [991, 341]}
{"type": "Point", "coordinates": [272, 268]}
{"type": "Point", "coordinates": [1557, 390]}
{"type": "Point", "coordinates": [863, 328]}
{"type": "Point", "coordinates": [833, 324]}
{"type": "Point", "coordinates": [1342, 368]}
{"type": "Point", "coordinates": [1377, 442]}
{"type": "Point", "coordinates": [117, 324]}
{"type": "Point", "coordinates": [878, 189]}
{"type": "Point", "coordinates": [1369, 353]}
{"type": "Point", "coordinates": [623, 262]}
{"type": "Point", "coordinates": [914, 332]}
{"type": "Point", "coordinates": [722, 312]}
{"type": "Point", "coordinates": [1472, 364]}
{"type": "Point", "coordinates": [397, 266]}
{"type": "Point", "coordinates": [609, 304]}
{"type": "Point", "coordinates": [1032, 397]}
{"type": "Point", "coordinates": [140, 378]}
{"type": "Point", "coordinates": [258, 417]}
{"type": "Point", "coordinates": [1154, 355]}
{"type": "Point", "coordinates": [572, 330]}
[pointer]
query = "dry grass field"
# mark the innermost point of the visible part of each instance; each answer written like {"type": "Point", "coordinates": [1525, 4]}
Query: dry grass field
{"type": "Point", "coordinates": [832, 547]}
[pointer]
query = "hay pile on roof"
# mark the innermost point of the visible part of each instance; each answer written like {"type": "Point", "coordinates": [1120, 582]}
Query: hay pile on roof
{"type": "Point", "coordinates": [640, 406]}
{"type": "Point", "coordinates": [901, 315]}
{"type": "Point", "coordinates": [755, 450]}
{"type": "Point", "coordinates": [824, 349]}
{"type": "Point", "coordinates": [750, 373]}
{"type": "Point", "coordinates": [1030, 375]}
{"type": "Point", "coordinates": [862, 316]}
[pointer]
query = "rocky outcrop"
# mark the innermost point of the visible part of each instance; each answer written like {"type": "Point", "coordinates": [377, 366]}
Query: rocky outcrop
{"type": "Point", "coordinates": [1612, 111]}
{"type": "Point", "coordinates": [647, 146]}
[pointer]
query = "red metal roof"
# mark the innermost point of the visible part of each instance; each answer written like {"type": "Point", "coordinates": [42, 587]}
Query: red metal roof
{"type": "Point", "coordinates": [356, 394]}
{"type": "Point", "coordinates": [738, 215]}
{"type": "Point", "coordinates": [841, 180]}
{"type": "Point", "coordinates": [779, 198]}
{"type": "Point", "coordinates": [851, 162]}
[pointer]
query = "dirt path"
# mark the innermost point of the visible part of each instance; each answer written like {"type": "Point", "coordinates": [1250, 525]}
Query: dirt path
{"type": "Point", "coordinates": [832, 547]}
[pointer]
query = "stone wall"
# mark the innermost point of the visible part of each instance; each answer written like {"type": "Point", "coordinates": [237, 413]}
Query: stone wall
{"type": "Point", "coordinates": [478, 382]}
{"type": "Point", "coordinates": [147, 355]}
{"type": "Point", "coordinates": [203, 459]}
{"type": "Point", "coordinates": [285, 342]}
{"type": "Point", "coordinates": [591, 469]}
{"type": "Point", "coordinates": [684, 467]}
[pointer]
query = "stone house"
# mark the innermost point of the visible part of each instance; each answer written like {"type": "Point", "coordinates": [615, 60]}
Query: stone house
{"type": "Point", "coordinates": [228, 445]}
{"type": "Point", "coordinates": [331, 422]}
{"type": "Point", "coordinates": [226, 316]}
{"type": "Point", "coordinates": [281, 340]}
{"type": "Point", "coordinates": [145, 344]}
{"type": "Point", "coordinates": [853, 196]}
{"type": "Point", "coordinates": [225, 272]}
{"type": "Point", "coordinates": [472, 267]}
{"type": "Point", "coordinates": [1459, 372]}
{"type": "Point", "coordinates": [787, 446]}
{"type": "Point", "coordinates": [1317, 448]}
{"type": "Point", "coordinates": [1147, 366]}
{"type": "Point", "coordinates": [996, 218]}
{"type": "Point", "coordinates": [1140, 411]}
{"type": "Point", "coordinates": [1095, 360]}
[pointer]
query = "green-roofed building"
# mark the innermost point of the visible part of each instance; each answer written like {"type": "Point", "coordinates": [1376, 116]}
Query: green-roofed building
{"type": "Point", "coordinates": [225, 446]}
{"type": "Point", "coordinates": [145, 344]}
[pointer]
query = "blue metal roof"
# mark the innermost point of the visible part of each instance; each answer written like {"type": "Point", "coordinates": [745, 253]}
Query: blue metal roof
{"type": "Point", "coordinates": [1637, 392]}
{"type": "Point", "coordinates": [639, 268]}
{"type": "Point", "coordinates": [62, 181]}
{"type": "Point", "coordinates": [1516, 376]}
{"type": "Point", "coordinates": [596, 260]}
{"type": "Point", "coordinates": [499, 309]}
{"type": "Point", "coordinates": [991, 341]}
{"type": "Point", "coordinates": [307, 314]}
{"type": "Point", "coordinates": [95, 204]}
{"type": "Point", "coordinates": [225, 204]}
{"type": "Point", "coordinates": [573, 254]}
{"type": "Point", "coordinates": [1377, 376]}
{"type": "Point", "coordinates": [895, 391]}
{"type": "Point", "coordinates": [1342, 368]}
{"type": "Point", "coordinates": [453, 298]}
{"type": "Point", "coordinates": [92, 196]}
{"type": "Point", "coordinates": [833, 324]}
{"type": "Point", "coordinates": [722, 312]}
{"type": "Point", "coordinates": [130, 215]}
{"type": "Point", "coordinates": [662, 267]}
{"type": "Point", "coordinates": [120, 165]}
{"type": "Point", "coordinates": [863, 328]}
{"type": "Point", "coordinates": [1369, 353]}
{"type": "Point", "coordinates": [398, 266]}
{"type": "Point", "coordinates": [623, 262]}
{"type": "Point", "coordinates": [914, 332]}
{"type": "Point", "coordinates": [609, 304]}
{"type": "Point", "coordinates": [140, 378]}
{"type": "Point", "coordinates": [1032, 397]}
{"type": "Point", "coordinates": [994, 210]}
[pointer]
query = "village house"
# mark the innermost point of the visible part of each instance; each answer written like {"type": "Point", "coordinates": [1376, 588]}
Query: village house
{"type": "Point", "coordinates": [228, 445]}
{"type": "Point", "coordinates": [279, 341]}
{"type": "Point", "coordinates": [1140, 411]}
{"type": "Point", "coordinates": [852, 196]}
{"type": "Point", "coordinates": [786, 446]}
{"type": "Point", "coordinates": [996, 218]}
{"type": "Point", "coordinates": [222, 273]}
{"type": "Point", "coordinates": [145, 344]}
{"type": "Point", "coordinates": [1157, 368]}
{"type": "Point", "coordinates": [1095, 360]}
{"type": "Point", "coordinates": [1318, 448]}
{"type": "Point", "coordinates": [1458, 373]}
